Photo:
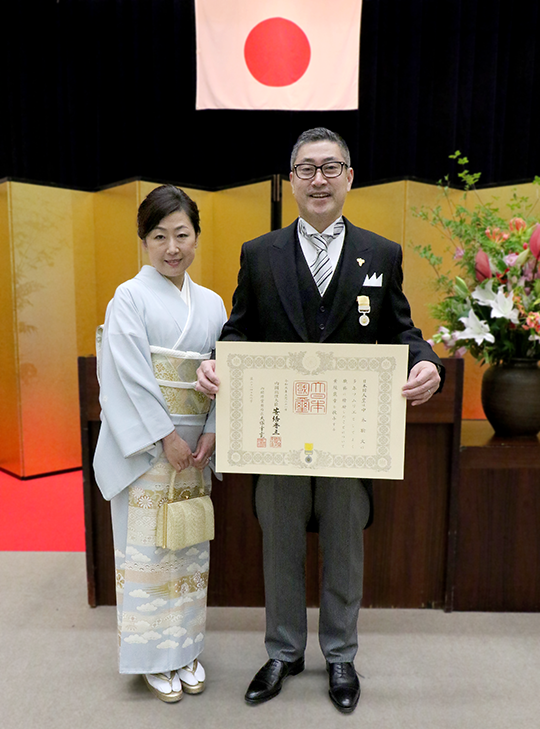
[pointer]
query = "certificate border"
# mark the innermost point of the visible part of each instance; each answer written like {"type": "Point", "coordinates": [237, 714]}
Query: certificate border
{"type": "Point", "coordinates": [304, 363]}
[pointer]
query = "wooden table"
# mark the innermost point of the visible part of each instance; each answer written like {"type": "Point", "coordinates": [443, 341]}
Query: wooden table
{"type": "Point", "coordinates": [497, 558]}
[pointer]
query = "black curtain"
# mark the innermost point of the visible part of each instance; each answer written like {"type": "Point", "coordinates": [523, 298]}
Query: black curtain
{"type": "Point", "coordinates": [98, 91]}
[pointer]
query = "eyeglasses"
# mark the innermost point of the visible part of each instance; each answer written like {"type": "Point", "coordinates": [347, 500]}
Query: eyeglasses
{"type": "Point", "coordinates": [328, 169]}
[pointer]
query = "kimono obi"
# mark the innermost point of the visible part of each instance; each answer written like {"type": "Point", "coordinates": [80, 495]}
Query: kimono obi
{"type": "Point", "coordinates": [176, 375]}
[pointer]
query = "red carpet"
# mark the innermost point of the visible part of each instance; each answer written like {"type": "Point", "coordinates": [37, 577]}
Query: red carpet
{"type": "Point", "coordinates": [42, 514]}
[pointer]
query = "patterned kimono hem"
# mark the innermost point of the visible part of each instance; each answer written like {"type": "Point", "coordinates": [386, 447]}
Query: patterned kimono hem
{"type": "Point", "coordinates": [161, 593]}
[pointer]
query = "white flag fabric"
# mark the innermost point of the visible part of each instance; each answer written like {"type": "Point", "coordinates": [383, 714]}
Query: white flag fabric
{"type": "Point", "coordinates": [298, 55]}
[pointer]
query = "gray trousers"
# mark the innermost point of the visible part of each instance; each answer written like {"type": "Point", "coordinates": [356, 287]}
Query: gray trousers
{"type": "Point", "coordinates": [284, 505]}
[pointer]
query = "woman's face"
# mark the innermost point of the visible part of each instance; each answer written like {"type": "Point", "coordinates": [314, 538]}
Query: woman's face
{"type": "Point", "coordinates": [171, 246]}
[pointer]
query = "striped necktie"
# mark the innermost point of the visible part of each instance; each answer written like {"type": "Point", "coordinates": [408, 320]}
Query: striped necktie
{"type": "Point", "coordinates": [321, 268]}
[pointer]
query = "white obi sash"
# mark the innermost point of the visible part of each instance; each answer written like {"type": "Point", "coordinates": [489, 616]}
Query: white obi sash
{"type": "Point", "coordinates": [176, 375]}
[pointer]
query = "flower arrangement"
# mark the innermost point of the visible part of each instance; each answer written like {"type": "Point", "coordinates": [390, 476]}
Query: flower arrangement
{"type": "Point", "coordinates": [492, 310]}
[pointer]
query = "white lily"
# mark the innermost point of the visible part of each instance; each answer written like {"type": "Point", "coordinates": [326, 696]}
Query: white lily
{"type": "Point", "coordinates": [503, 307]}
{"type": "Point", "coordinates": [476, 329]}
{"type": "Point", "coordinates": [485, 294]}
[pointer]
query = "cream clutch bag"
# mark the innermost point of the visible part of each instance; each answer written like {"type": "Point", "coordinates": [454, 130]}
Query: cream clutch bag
{"type": "Point", "coordinates": [183, 523]}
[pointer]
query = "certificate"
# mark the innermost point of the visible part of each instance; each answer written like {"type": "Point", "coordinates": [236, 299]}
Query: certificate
{"type": "Point", "coordinates": [311, 409]}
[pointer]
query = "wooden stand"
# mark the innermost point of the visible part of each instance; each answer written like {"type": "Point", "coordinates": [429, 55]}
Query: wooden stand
{"type": "Point", "coordinates": [497, 558]}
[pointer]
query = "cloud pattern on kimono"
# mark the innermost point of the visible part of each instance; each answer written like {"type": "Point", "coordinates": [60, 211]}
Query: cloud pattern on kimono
{"type": "Point", "coordinates": [139, 593]}
{"type": "Point", "coordinates": [176, 631]}
{"type": "Point", "coordinates": [152, 635]}
{"type": "Point", "coordinates": [167, 644]}
{"type": "Point", "coordinates": [135, 639]}
{"type": "Point", "coordinates": [147, 607]}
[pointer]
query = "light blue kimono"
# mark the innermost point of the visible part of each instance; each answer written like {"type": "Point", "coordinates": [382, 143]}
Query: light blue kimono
{"type": "Point", "coordinates": [161, 594]}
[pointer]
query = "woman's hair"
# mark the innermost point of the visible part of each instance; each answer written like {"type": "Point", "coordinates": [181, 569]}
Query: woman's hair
{"type": "Point", "coordinates": [161, 202]}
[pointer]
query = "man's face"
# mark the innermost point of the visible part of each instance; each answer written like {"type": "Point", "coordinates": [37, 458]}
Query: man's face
{"type": "Point", "coordinates": [320, 200]}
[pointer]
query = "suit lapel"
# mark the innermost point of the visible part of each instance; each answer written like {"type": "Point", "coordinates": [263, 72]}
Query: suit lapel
{"type": "Point", "coordinates": [283, 264]}
{"type": "Point", "coordinates": [351, 276]}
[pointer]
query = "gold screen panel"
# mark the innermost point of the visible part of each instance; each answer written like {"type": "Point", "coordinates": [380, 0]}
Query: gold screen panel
{"type": "Point", "coordinates": [116, 242]}
{"type": "Point", "coordinates": [45, 315]}
{"type": "Point", "coordinates": [240, 214]}
{"type": "Point", "coordinates": [11, 457]}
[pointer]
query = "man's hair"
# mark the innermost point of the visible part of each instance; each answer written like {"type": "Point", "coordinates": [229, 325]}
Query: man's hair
{"type": "Point", "coordinates": [320, 134]}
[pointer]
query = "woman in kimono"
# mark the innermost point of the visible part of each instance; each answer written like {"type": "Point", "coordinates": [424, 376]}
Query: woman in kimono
{"type": "Point", "coordinates": [158, 328]}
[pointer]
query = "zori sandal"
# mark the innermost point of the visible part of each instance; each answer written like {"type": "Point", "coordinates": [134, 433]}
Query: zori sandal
{"type": "Point", "coordinates": [166, 686]}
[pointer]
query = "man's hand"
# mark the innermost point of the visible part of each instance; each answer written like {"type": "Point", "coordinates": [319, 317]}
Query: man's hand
{"type": "Point", "coordinates": [207, 380]}
{"type": "Point", "coordinates": [205, 448]}
{"type": "Point", "coordinates": [423, 382]}
{"type": "Point", "coordinates": [177, 451]}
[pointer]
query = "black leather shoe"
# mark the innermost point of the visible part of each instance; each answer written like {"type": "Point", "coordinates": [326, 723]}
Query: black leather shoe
{"type": "Point", "coordinates": [268, 681]}
{"type": "Point", "coordinates": [344, 686]}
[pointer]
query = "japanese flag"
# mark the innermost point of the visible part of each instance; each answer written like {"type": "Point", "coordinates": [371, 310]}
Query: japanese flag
{"type": "Point", "coordinates": [278, 54]}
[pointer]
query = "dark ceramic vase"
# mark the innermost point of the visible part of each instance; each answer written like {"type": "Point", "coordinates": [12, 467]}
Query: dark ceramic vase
{"type": "Point", "coordinates": [511, 397]}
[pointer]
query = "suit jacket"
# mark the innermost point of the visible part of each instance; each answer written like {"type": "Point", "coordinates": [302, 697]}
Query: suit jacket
{"type": "Point", "coordinates": [267, 303]}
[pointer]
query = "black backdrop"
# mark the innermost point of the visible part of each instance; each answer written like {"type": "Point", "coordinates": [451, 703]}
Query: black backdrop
{"type": "Point", "coordinates": [99, 91]}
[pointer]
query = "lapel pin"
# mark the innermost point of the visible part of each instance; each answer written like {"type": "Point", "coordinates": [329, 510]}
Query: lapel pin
{"type": "Point", "coordinates": [361, 261]}
{"type": "Point", "coordinates": [364, 308]}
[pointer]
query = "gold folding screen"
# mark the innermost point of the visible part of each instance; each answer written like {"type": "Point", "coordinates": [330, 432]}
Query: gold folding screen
{"type": "Point", "coordinates": [39, 384]}
{"type": "Point", "coordinates": [63, 253]}
{"type": "Point", "coordinates": [10, 436]}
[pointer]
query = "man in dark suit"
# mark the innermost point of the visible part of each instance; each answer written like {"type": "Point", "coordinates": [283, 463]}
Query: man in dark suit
{"type": "Point", "coordinates": [300, 284]}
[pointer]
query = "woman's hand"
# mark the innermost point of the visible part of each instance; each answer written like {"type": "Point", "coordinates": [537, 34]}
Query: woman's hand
{"type": "Point", "coordinates": [177, 451]}
{"type": "Point", "coordinates": [205, 448]}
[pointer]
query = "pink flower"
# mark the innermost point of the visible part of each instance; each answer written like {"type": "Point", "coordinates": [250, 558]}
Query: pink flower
{"type": "Point", "coordinates": [482, 267]}
{"type": "Point", "coordinates": [510, 259]}
{"type": "Point", "coordinates": [533, 321]}
{"type": "Point", "coordinates": [534, 242]}
{"type": "Point", "coordinates": [460, 352]}
{"type": "Point", "coordinates": [517, 224]}
{"type": "Point", "coordinates": [459, 253]}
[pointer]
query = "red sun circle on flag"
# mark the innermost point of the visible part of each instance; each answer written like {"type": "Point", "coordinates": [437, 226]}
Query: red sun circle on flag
{"type": "Point", "coordinates": [277, 52]}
